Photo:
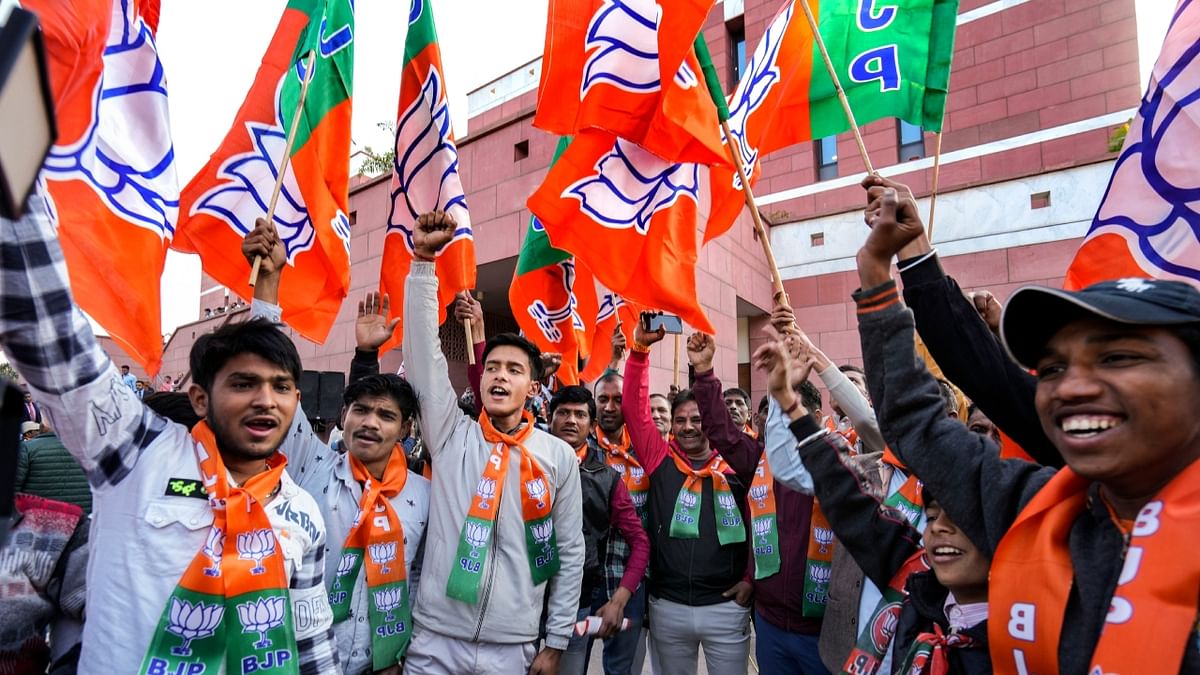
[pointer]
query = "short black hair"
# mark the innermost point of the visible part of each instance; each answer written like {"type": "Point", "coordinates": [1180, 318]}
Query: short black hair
{"type": "Point", "coordinates": [573, 394]}
{"type": "Point", "coordinates": [971, 408]}
{"type": "Point", "coordinates": [513, 340]}
{"type": "Point", "coordinates": [257, 336]}
{"type": "Point", "coordinates": [610, 376]}
{"type": "Point", "coordinates": [763, 402]}
{"type": "Point", "coordinates": [737, 391]}
{"type": "Point", "coordinates": [124, 367]}
{"type": "Point", "coordinates": [468, 409]}
{"type": "Point", "coordinates": [851, 368]}
{"type": "Point", "coordinates": [810, 396]}
{"type": "Point", "coordinates": [173, 405]}
{"type": "Point", "coordinates": [393, 386]}
{"type": "Point", "coordinates": [682, 397]}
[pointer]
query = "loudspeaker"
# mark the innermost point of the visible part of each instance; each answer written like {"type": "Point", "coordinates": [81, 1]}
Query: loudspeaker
{"type": "Point", "coordinates": [321, 394]}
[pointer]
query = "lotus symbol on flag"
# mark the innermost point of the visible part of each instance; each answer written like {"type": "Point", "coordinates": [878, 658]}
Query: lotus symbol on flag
{"type": "Point", "coordinates": [486, 490]}
{"type": "Point", "coordinates": [688, 499]}
{"type": "Point", "coordinates": [631, 185]}
{"type": "Point", "coordinates": [192, 622]}
{"type": "Point", "coordinates": [261, 615]}
{"type": "Point", "coordinates": [132, 173]}
{"type": "Point", "coordinates": [761, 75]}
{"type": "Point", "coordinates": [759, 494]}
{"type": "Point", "coordinates": [819, 573]}
{"type": "Point", "coordinates": [387, 600]}
{"type": "Point", "coordinates": [609, 302]}
{"type": "Point", "coordinates": [345, 566]}
{"type": "Point", "coordinates": [256, 545]}
{"type": "Point", "coordinates": [247, 180]}
{"type": "Point", "coordinates": [824, 537]}
{"type": "Point", "coordinates": [762, 528]}
{"type": "Point", "coordinates": [548, 319]}
{"type": "Point", "coordinates": [383, 553]}
{"type": "Point", "coordinates": [214, 546]}
{"type": "Point", "coordinates": [477, 536]}
{"type": "Point", "coordinates": [537, 491]}
{"type": "Point", "coordinates": [728, 503]}
{"type": "Point", "coordinates": [425, 176]}
{"type": "Point", "coordinates": [622, 41]}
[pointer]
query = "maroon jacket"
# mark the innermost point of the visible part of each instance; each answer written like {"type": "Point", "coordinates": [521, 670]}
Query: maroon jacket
{"type": "Point", "coordinates": [780, 597]}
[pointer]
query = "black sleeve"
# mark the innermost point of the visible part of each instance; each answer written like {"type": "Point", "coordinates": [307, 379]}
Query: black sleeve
{"type": "Point", "coordinates": [981, 492]}
{"type": "Point", "coordinates": [971, 357]}
{"type": "Point", "coordinates": [879, 540]}
{"type": "Point", "coordinates": [363, 364]}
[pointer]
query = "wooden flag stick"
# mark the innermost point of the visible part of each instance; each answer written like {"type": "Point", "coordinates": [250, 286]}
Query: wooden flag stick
{"type": "Point", "coordinates": [776, 280]}
{"type": "Point", "coordinates": [937, 167]}
{"type": "Point", "coordinates": [677, 360]}
{"type": "Point", "coordinates": [287, 155]}
{"type": "Point", "coordinates": [837, 85]}
{"type": "Point", "coordinates": [470, 338]}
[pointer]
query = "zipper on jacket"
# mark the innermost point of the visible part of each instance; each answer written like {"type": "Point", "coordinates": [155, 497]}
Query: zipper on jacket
{"type": "Point", "coordinates": [491, 573]}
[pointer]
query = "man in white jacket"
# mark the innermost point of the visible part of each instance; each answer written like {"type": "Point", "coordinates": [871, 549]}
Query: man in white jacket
{"type": "Point", "coordinates": [505, 516]}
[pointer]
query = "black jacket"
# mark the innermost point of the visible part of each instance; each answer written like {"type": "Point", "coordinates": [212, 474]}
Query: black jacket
{"type": "Point", "coordinates": [981, 492]}
{"type": "Point", "coordinates": [972, 358]}
{"type": "Point", "coordinates": [692, 572]}
{"type": "Point", "coordinates": [597, 482]}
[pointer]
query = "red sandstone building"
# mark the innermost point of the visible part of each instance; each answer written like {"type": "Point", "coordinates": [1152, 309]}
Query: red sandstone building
{"type": "Point", "coordinates": [1037, 88]}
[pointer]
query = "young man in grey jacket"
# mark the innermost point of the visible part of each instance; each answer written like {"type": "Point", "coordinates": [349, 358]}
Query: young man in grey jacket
{"type": "Point", "coordinates": [490, 562]}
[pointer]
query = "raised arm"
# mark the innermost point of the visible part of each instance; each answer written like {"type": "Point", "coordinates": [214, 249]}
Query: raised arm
{"type": "Point", "coordinates": [981, 492]}
{"type": "Point", "coordinates": [50, 343]}
{"type": "Point", "coordinates": [424, 362]}
{"type": "Point", "coordinates": [737, 448]}
{"type": "Point", "coordinates": [635, 405]}
{"type": "Point", "coordinates": [785, 463]}
{"type": "Point", "coordinates": [466, 307]}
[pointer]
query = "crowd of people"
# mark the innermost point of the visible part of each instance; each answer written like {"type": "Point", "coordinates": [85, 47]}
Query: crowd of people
{"type": "Point", "coordinates": [1008, 491]}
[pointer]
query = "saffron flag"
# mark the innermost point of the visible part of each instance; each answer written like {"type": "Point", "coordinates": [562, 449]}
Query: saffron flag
{"type": "Point", "coordinates": [425, 176]}
{"type": "Point", "coordinates": [222, 201]}
{"type": "Point", "coordinates": [1145, 226]}
{"type": "Point", "coordinates": [626, 66]}
{"type": "Point", "coordinates": [892, 61]}
{"type": "Point", "coordinates": [114, 194]}
{"type": "Point", "coordinates": [611, 311]}
{"type": "Point", "coordinates": [631, 218]}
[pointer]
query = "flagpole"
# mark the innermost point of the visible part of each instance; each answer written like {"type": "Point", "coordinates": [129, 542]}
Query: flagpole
{"type": "Point", "coordinates": [677, 360]}
{"type": "Point", "coordinates": [287, 155]}
{"type": "Point", "coordinates": [937, 167]}
{"type": "Point", "coordinates": [470, 334]}
{"type": "Point", "coordinates": [837, 85]}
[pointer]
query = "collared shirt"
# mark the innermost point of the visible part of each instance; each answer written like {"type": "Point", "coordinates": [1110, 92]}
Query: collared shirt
{"type": "Point", "coordinates": [964, 616]}
{"type": "Point", "coordinates": [144, 534]}
{"type": "Point", "coordinates": [326, 474]}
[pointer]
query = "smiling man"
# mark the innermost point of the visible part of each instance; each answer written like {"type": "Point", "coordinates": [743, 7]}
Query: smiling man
{"type": "Point", "coordinates": [1090, 562]}
{"type": "Point", "coordinates": [203, 552]}
{"type": "Point", "coordinates": [505, 515]}
{"type": "Point", "coordinates": [696, 516]}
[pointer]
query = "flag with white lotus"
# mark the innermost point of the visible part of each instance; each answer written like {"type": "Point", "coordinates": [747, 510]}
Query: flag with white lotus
{"type": "Point", "coordinates": [220, 204]}
{"type": "Point", "coordinates": [425, 176]}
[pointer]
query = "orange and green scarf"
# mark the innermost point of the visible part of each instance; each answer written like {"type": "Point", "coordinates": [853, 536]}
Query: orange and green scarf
{"type": "Point", "coordinates": [929, 655]}
{"type": "Point", "coordinates": [876, 636]}
{"type": "Point", "coordinates": [541, 545]}
{"type": "Point", "coordinates": [685, 521]}
{"type": "Point", "coordinates": [238, 574]}
{"type": "Point", "coordinates": [620, 457]}
{"type": "Point", "coordinates": [377, 539]}
{"type": "Point", "coordinates": [1154, 602]}
{"type": "Point", "coordinates": [764, 521]}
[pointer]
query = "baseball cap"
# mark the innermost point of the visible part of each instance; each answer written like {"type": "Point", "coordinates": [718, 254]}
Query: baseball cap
{"type": "Point", "coordinates": [27, 427]}
{"type": "Point", "coordinates": [1035, 313]}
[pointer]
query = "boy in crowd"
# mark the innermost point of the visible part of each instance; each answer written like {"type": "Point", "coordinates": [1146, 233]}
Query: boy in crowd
{"type": "Point", "coordinates": [170, 507]}
{"type": "Point", "coordinates": [608, 512]}
{"type": "Point", "coordinates": [696, 520]}
{"type": "Point", "coordinates": [1086, 564]}
{"type": "Point", "coordinates": [505, 526]}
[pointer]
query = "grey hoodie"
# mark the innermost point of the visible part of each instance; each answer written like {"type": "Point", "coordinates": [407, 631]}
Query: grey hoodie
{"type": "Point", "coordinates": [510, 607]}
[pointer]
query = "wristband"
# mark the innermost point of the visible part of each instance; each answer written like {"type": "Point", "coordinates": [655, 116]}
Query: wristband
{"type": "Point", "coordinates": [639, 347]}
{"type": "Point", "coordinates": [932, 252]}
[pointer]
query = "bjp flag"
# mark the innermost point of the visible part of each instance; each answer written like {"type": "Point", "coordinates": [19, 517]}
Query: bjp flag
{"type": "Point", "coordinates": [114, 194]}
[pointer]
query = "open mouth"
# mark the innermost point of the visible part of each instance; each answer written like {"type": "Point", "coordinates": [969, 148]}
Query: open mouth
{"type": "Point", "coordinates": [367, 436]}
{"type": "Point", "coordinates": [1088, 426]}
{"type": "Point", "coordinates": [498, 392]}
{"type": "Point", "coordinates": [946, 554]}
{"type": "Point", "coordinates": [261, 427]}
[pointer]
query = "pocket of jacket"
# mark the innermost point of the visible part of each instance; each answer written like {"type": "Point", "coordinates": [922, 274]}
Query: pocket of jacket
{"type": "Point", "coordinates": [175, 530]}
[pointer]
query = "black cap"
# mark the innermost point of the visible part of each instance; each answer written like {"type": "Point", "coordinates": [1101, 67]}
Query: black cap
{"type": "Point", "coordinates": [1035, 313]}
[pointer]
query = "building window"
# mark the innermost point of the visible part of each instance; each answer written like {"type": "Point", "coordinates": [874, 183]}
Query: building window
{"type": "Point", "coordinates": [737, 52]}
{"type": "Point", "coordinates": [520, 150]}
{"type": "Point", "coordinates": [827, 158]}
{"type": "Point", "coordinates": [911, 141]}
{"type": "Point", "coordinates": [353, 220]}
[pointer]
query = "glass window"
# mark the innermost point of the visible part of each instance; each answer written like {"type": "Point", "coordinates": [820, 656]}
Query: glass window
{"type": "Point", "coordinates": [827, 158]}
{"type": "Point", "coordinates": [911, 141]}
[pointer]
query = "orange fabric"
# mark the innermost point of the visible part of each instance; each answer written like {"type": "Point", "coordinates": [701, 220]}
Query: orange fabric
{"type": "Point", "coordinates": [310, 293]}
{"type": "Point", "coordinates": [1101, 258]}
{"type": "Point", "coordinates": [631, 218]}
{"type": "Point", "coordinates": [606, 319]}
{"type": "Point", "coordinates": [555, 288]}
{"type": "Point", "coordinates": [531, 508]}
{"type": "Point", "coordinates": [583, 43]}
{"type": "Point", "coordinates": [1010, 450]}
{"type": "Point", "coordinates": [455, 263]}
{"type": "Point", "coordinates": [371, 529]}
{"type": "Point", "coordinates": [1154, 602]}
{"type": "Point", "coordinates": [620, 457]}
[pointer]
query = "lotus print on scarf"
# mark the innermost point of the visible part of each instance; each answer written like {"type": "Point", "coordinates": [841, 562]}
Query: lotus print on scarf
{"type": "Point", "coordinates": [345, 566]}
{"type": "Point", "coordinates": [762, 528]}
{"type": "Point", "coordinates": [256, 545]}
{"type": "Point", "coordinates": [388, 600]}
{"type": "Point", "coordinates": [192, 622]}
{"type": "Point", "coordinates": [537, 491]}
{"type": "Point", "coordinates": [824, 537]}
{"type": "Point", "coordinates": [382, 554]}
{"type": "Point", "coordinates": [486, 490]}
{"type": "Point", "coordinates": [477, 536]}
{"type": "Point", "coordinates": [214, 546]}
{"type": "Point", "coordinates": [261, 616]}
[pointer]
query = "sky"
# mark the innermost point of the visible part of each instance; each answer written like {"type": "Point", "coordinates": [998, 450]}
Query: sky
{"type": "Point", "coordinates": [210, 51]}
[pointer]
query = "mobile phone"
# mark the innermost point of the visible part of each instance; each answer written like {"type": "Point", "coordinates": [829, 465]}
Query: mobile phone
{"type": "Point", "coordinates": [668, 322]}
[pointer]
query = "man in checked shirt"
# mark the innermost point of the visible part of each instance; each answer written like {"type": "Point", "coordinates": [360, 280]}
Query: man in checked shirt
{"type": "Point", "coordinates": [167, 583]}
